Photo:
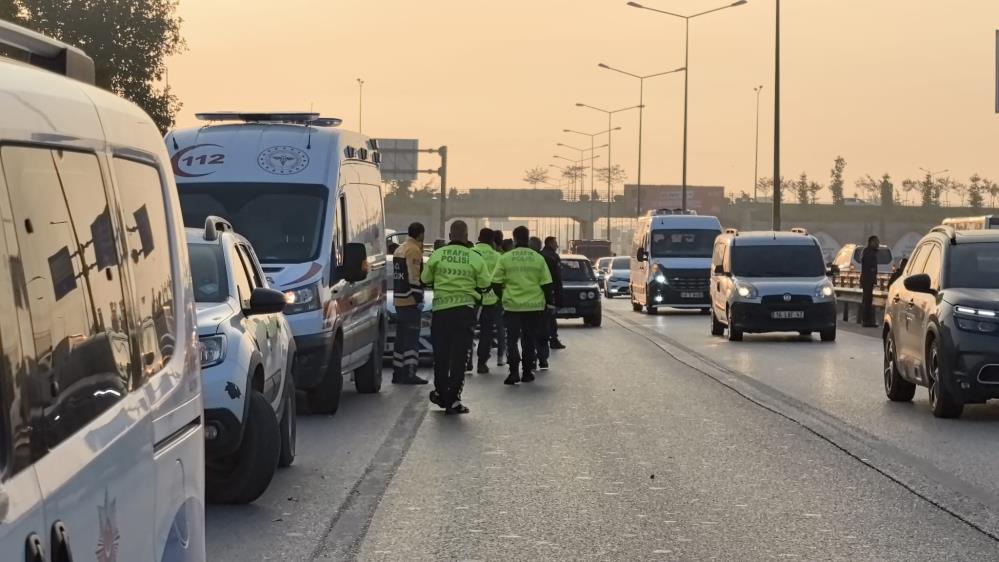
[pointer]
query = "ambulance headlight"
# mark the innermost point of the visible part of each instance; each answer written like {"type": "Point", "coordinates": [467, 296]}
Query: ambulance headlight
{"type": "Point", "coordinates": [302, 299]}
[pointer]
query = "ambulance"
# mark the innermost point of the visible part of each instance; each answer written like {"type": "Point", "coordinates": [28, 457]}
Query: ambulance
{"type": "Point", "coordinates": [101, 435]}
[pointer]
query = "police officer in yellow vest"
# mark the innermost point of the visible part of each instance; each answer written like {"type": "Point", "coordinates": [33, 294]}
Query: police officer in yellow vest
{"type": "Point", "coordinates": [489, 314]}
{"type": "Point", "coordinates": [459, 276]}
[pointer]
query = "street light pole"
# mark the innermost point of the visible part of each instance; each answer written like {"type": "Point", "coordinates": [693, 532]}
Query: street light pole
{"type": "Point", "coordinates": [592, 148]}
{"type": "Point", "coordinates": [756, 159]}
{"type": "Point", "coordinates": [777, 178]}
{"type": "Point", "coordinates": [641, 113]}
{"type": "Point", "coordinates": [360, 105]}
{"type": "Point", "coordinates": [610, 170]}
{"type": "Point", "coordinates": [686, 75]}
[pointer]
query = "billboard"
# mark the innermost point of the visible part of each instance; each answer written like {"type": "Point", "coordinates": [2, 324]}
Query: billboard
{"type": "Point", "coordinates": [399, 159]}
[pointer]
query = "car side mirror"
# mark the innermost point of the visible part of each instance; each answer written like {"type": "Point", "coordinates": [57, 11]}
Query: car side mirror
{"type": "Point", "coordinates": [833, 270]}
{"type": "Point", "coordinates": [641, 255]}
{"type": "Point", "coordinates": [355, 263]}
{"type": "Point", "coordinates": [719, 269]}
{"type": "Point", "coordinates": [920, 283]}
{"type": "Point", "coordinates": [266, 301]}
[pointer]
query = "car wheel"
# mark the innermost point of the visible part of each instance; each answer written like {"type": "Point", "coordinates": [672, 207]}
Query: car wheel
{"type": "Point", "coordinates": [705, 311]}
{"type": "Point", "coordinates": [649, 309]}
{"type": "Point", "coordinates": [325, 397]}
{"type": "Point", "coordinates": [805, 333]}
{"type": "Point", "coordinates": [368, 377]}
{"type": "Point", "coordinates": [828, 335]}
{"type": "Point", "coordinates": [289, 425]}
{"type": "Point", "coordinates": [595, 320]}
{"type": "Point", "coordinates": [717, 328]}
{"type": "Point", "coordinates": [734, 333]}
{"type": "Point", "coordinates": [243, 476]}
{"type": "Point", "coordinates": [943, 403]}
{"type": "Point", "coordinates": [896, 388]}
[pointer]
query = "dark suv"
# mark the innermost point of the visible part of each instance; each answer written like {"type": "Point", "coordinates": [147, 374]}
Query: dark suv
{"type": "Point", "coordinates": [941, 325]}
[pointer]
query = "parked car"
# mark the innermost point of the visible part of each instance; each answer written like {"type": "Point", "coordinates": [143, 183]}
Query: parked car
{"type": "Point", "coordinates": [247, 357]}
{"type": "Point", "coordinates": [771, 282]}
{"type": "Point", "coordinates": [601, 268]}
{"type": "Point", "coordinates": [848, 259]}
{"type": "Point", "coordinates": [941, 327]}
{"type": "Point", "coordinates": [617, 281]}
{"type": "Point", "coordinates": [580, 291]}
{"type": "Point", "coordinates": [315, 216]}
{"type": "Point", "coordinates": [102, 435]}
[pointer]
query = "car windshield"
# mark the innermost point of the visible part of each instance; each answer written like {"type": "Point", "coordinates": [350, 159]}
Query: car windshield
{"type": "Point", "coordinates": [777, 261]}
{"type": "Point", "coordinates": [208, 271]}
{"type": "Point", "coordinates": [884, 255]}
{"type": "Point", "coordinates": [621, 263]}
{"type": "Point", "coordinates": [577, 270]}
{"type": "Point", "coordinates": [974, 266]}
{"type": "Point", "coordinates": [283, 222]}
{"type": "Point", "coordinates": [685, 243]}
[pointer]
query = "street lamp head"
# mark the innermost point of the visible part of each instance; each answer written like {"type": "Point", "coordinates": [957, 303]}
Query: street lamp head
{"type": "Point", "coordinates": [681, 69]}
{"type": "Point", "coordinates": [580, 104]}
{"type": "Point", "coordinates": [740, 3]}
{"type": "Point", "coordinates": [602, 65]}
{"type": "Point", "coordinates": [616, 129]}
{"type": "Point", "coordinates": [635, 5]}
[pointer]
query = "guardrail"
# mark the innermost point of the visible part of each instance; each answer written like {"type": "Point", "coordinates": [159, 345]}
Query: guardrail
{"type": "Point", "coordinates": [850, 295]}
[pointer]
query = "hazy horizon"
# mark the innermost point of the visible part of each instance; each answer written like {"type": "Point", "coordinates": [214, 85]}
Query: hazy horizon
{"type": "Point", "coordinates": [889, 87]}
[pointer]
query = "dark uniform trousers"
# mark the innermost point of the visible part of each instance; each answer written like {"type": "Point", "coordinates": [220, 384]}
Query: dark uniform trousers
{"type": "Point", "coordinates": [451, 332]}
{"type": "Point", "coordinates": [406, 347]}
{"type": "Point", "coordinates": [545, 334]}
{"type": "Point", "coordinates": [489, 319]}
{"type": "Point", "coordinates": [521, 339]}
{"type": "Point", "coordinates": [867, 303]}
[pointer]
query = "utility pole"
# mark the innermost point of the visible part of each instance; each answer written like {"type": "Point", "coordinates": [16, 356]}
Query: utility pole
{"type": "Point", "coordinates": [360, 105]}
{"type": "Point", "coordinates": [777, 182]}
{"type": "Point", "coordinates": [442, 172]}
{"type": "Point", "coordinates": [756, 159]}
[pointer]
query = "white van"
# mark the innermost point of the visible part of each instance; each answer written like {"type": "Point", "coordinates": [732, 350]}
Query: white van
{"type": "Point", "coordinates": [671, 261]}
{"type": "Point", "coordinates": [771, 282]}
{"type": "Point", "coordinates": [101, 438]}
{"type": "Point", "coordinates": [308, 196]}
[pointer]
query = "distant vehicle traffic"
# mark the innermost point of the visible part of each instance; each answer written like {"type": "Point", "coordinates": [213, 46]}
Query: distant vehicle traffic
{"type": "Point", "coordinates": [591, 249]}
{"type": "Point", "coordinates": [848, 258]}
{"type": "Point", "coordinates": [601, 268]}
{"type": "Point", "coordinates": [771, 282]}
{"type": "Point", "coordinates": [942, 321]}
{"type": "Point", "coordinates": [307, 195]}
{"type": "Point", "coordinates": [102, 438]}
{"type": "Point", "coordinates": [671, 261]}
{"type": "Point", "coordinates": [580, 291]}
{"type": "Point", "coordinates": [987, 222]}
{"type": "Point", "coordinates": [617, 281]}
{"type": "Point", "coordinates": [247, 355]}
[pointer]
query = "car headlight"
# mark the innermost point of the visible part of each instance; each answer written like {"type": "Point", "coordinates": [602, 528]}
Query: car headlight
{"type": "Point", "coordinates": [212, 350]}
{"type": "Point", "coordinates": [661, 279]}
{"type": "Point", "coordinates": [583, 295]}
{"type": "Point", "coordinates": [976, 319]}
{"type": "Point", "coordinates": [747, 291]}
{"type": "Point", "coordinates": [592, 294]}
{"type": "Point", "coordinates": [302, 299]}
{"type": "Point", "coordinates": [824, 291]}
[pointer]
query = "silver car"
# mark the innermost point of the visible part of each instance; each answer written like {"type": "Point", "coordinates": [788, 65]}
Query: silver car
{"type": "Point", "coordinates": [617, 281]}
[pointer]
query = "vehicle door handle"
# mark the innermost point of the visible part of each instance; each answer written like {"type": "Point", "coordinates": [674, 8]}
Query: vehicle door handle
{"type": "Point", "coordinates": [34, 550]}
{"type": "Point", "coordinates": [60, 543]}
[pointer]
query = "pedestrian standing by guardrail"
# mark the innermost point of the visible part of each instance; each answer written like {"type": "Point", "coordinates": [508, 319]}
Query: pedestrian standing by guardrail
{"type": "Point", "coordinates": [459, 276]}
{"type": "Point", "coordinates": [868, 279]}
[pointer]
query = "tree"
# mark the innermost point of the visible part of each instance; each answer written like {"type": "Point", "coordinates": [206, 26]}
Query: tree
{"type": "Point", "coordinates": [976, 191]}
{"type": "Point", "coordinates": [575, 173]}
{"type": "Point", "coordinates": [869, 188]}
{"type": "Point", "coordinates": [617, 174]}
{"type": "Point", "coordinates": [536, 175]}
{"type": "Point", "coordinates": [806, 191]}
{"type": "Point", "coordinates": [9, 11]}
{"type": "Point", "coordinates": [766, 186]}
{"type": "Point", "coordinates": [836, 181]}
{"type": "Point", "coordinates": [993, 190]}
{"type": "Point", "coordinates": [128, 40]}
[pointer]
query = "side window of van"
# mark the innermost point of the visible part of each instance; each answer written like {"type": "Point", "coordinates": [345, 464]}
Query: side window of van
{"type": "Point", "coordinates": [147, 238]}
{"type": "Point", "coordinates": [364, 219]}
{"type": "Point", "coordinates": [79, 355]}
{"type": "Point", "coordinates": [339, 230]}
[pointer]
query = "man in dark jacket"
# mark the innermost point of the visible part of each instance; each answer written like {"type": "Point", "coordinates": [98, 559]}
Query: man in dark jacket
{"type": "Point", "coordinates": [550, 253]}
{"type": "Point", "coordinates": [868, 279]}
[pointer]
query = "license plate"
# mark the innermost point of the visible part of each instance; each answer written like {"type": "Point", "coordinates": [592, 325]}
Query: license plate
{"type": "Point", "coordinates": [788, 314]}
{"type": "Point", "coordinates": [567, 310]}
{"type": "Point", "coordinates": [691, 295]}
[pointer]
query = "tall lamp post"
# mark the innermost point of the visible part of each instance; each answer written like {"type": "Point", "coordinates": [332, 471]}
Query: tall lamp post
{"type": "Point", "coordinates": [360, 105]}
{"type": "Point", "coordinates": [686, 74]}
{"type": "Point", "coordinates": [756, 159]}
{"type": "Point", "coordinates": [641, 112]}
{"type": "Point", "coordinates": [581, 151]}
{"type": "Point", "coordinates": [592, 136]}
{"type": "Point", "coordinates": [610, 127]}
{"type": "Point", "coordinates": [777, 176]}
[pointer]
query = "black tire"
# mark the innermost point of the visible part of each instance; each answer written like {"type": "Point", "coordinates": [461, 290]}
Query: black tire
{"type": "Point", "coordinates": [705, 311]}
{"type": "Point", "coordinates": [635, 306]}
{"type": "Point", "coordinates": [595, 320]}
{"type": "Point", "coordinates": [942, 402]}
{"type": "Point", "coordinates": [897, 389]}
{"type": "Point", "coordinates": [649, 309]}
{"type": "Point", "coordinates": [325, 397]}
{"type": "Point", "coordinates": [368, 377]}
{"type": "Point", "coordinates": [244, 476]}
{"type": "Point", "coordinates": [828, 335]}
{"type": "Point", "coordinates": [289, 425]}
{"type": "Point", "coordinates": [805, 333]}
{"type": "Point", "coordinates": [717, 328]}
{"type": "Point", "coordinates": [734, 333]}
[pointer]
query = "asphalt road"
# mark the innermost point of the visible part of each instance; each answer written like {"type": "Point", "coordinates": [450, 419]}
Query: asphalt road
{"type": "Point", "coordinates": [648, 440]}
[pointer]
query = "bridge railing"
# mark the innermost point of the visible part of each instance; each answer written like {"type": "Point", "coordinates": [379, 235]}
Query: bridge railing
{"type": "Point", "coordinates": [850, 295]}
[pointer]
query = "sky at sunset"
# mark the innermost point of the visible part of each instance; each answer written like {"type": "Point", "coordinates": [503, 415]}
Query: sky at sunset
{"type": "Point", "coordinates": [892, 85]}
